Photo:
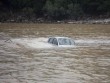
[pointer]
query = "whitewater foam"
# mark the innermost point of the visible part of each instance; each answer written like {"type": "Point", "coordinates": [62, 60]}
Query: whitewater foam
{"type": "Point", "coordinates": [33, 42]}
{"type": "Point", "coordinates": [42, 42]}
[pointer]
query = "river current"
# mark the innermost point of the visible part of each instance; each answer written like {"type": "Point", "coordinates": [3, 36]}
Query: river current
{"type": "Point", "coordinates": [26, 57]}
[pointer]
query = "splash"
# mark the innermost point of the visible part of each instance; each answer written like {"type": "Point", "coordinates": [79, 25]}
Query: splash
{"type": "Point", "coordinates": [41, 42]}
{"type": "Point", "coordinates": [92, 42]}
{"type": "Point", "coordinates": [33, 42]}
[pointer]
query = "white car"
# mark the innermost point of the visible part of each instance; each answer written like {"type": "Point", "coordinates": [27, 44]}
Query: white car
{"type": "Point", "coordinates": [61, 41]}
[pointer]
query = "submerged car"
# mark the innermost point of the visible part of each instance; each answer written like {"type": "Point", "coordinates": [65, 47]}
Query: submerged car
{"type": "Point", "coordinates": [61, 41]}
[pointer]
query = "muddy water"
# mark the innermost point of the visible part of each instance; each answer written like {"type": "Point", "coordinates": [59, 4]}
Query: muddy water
{"type": "Point", "coordinates": [87, 62]}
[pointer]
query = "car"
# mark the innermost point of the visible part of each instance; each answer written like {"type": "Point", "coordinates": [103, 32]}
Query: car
{"type": "Point", "coordinates": [61, 41]}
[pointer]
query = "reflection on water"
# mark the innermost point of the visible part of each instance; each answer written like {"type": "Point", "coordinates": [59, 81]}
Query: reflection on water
{"type": "Point", "coordinates": [87, 62]}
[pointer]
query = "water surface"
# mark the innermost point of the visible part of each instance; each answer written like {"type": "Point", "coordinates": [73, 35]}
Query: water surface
{"type": "Point", "coordinates": [25, 58]}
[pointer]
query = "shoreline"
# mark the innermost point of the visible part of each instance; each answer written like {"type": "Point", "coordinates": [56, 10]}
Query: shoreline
{"type": "Point", "coordinates": [91, 21]}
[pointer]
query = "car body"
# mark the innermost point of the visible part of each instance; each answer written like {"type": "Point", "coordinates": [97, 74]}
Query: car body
{"type": "Point", "coordinates": [61, 41]}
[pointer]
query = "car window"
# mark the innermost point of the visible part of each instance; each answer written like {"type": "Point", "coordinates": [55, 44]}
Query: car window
{"type": "Point", "coordinates": [50, 40]}
{"type": "Point", "coordinates": [55, 41]}
{"type": "Point", "coordinates": [72, 42]}
{"type": "Point", "coordinates": [64, 41]}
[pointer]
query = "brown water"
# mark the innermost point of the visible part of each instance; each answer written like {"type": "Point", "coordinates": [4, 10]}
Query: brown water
{"type": "Point", "coordinates": [87, 62]}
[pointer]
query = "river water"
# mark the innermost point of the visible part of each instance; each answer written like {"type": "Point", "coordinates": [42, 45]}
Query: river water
{"type": "Point", "coordinates": [25, 57]}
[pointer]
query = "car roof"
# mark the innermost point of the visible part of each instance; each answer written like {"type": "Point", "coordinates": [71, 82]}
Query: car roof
{"type": "Point", "coordinates": [59, 37]}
